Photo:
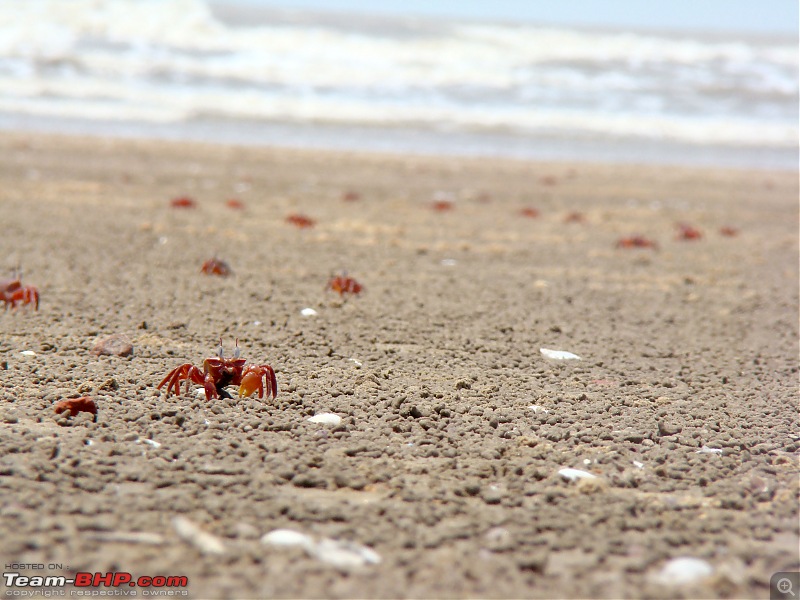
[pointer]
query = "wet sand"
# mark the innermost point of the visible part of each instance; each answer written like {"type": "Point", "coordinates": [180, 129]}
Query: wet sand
{"type": "Point", "coordinates": [439, 464]}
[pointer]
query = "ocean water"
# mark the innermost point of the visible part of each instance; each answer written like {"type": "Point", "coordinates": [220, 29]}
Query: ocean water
{"type": "Point", "coordinates": [220, 71]}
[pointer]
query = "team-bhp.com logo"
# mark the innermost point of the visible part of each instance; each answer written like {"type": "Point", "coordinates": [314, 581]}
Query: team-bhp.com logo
{"type": "Point", "coordinates": [88, 584]}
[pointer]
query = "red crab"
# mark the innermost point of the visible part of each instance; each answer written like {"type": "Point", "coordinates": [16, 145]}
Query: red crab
{"type": "Point", "coordinates": [219, 372]}
{"type": "Point", "coordinates": [76, 405]}
{"type": "Point", "coordinates": [442, 205]}
{"type": "Point", "coordinates": [12, 291]}
{"type": "Point", "coordinates": [351, 196]}
{"type": "Point", "coordinates": [344, 285]}
{"type": "Point", "coordinates": [574, 217]}
{"type": "Point", "coordinates": [235, 204]}
{"type": "Point", "coordinates": [687, 232]}
{"type": "Point", "coordinates": [183, 202]}
{"type": "Point", "coordinates": [728, 231]}
{"type": "Point", "coordinates": [636, 241]}
{"type": "Point", "coordinates": [529, 212]}
{"type": "Point", "coordinates": [300, 221]}
{"type": "Point", "coordinates": [216, 266]}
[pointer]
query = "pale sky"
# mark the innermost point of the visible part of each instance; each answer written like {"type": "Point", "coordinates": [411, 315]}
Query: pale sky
{"type": "Point", "coordinates": [763, 16]}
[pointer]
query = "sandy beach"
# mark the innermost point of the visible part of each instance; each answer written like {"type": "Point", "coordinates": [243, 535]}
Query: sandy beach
{"type": "Point", "coordinates": [441, 479]}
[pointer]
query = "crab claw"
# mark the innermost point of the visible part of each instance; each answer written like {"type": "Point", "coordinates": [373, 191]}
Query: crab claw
{"type": "Point", "coordinates": [253, 381]}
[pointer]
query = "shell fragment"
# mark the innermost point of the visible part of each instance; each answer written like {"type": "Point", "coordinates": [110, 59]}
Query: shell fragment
{"type": "Point", "coordinates": [575, 474]}
{"type": "Point", "coordinates": [558, 354]}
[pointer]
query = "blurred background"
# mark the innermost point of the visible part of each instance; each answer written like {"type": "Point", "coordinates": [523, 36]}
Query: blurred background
{"type": "Point", "coordinates": [708, 83]}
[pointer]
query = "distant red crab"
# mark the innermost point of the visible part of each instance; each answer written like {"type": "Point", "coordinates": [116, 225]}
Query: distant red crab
{"type": "Point", "coordinates": [183, 202]}
{"type": "Point", "coordinates": [529, 212]}
{"type": "Point", "coordinates": [351, 196]}
{"type": "Point", "coordinates": [442, 205]}
{"type": "Point", "coordinates": [636, 241]}
{"type": "Point", "coordinates": [728, 231]}
{"type": "Point", "coordinates": [219, 372]}
{"type": "Point", "coordinates": [235, 204]}
{"type": "Point", "coordinates": [216, 266]}
{"type": "Point", "coordinates": [344, 285]}
{"type": "Point", "coordinates": [687, 232]}
{"type": "Point", "coordinates": [12, 291]}
{"type": "Point", "coordinates": [76, 405]}
{"type": "Point", "coordinates": [300, 221]}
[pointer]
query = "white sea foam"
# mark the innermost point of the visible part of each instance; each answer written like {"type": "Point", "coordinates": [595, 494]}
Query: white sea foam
{"type": "Point", "coordinates": [175, 61]}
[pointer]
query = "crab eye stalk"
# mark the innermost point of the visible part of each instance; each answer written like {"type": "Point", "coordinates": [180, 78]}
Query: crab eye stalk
{"type": "Point", "coordinates": [219, 348]}
{"type": "Point", "coordinates": [236, 351]}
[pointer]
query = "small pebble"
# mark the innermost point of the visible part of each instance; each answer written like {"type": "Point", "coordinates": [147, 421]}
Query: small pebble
{"type": "Point", "coordinates": [326, 419]}
{"type": "Point", "coordinates": [287, 538]}
{"type": "Point", "coordinates": [575, 474]}
{"type": "Point", "coordinates": [113, 345]}
{"type": "Point", "coordinates": [308, 312]}
{"type": "Point", "coordinates": [559, 354]}
{"type": "Point", "coordinates": [153, 443]}
{"type": "Point", "coordinates": [202, 540]}
{"type": "Point", "coordinates": [343, 554]}
{"type": "Point", "coordinates": [448, 262]}
{"type": "Point", "coordinates": [28, 353]}
{"type": "Point", "coordinates": [683, 570]}
{"type": "Point", "coordinates": [536, 409]}
{"type": "Point", "coordinates": [708, 450]}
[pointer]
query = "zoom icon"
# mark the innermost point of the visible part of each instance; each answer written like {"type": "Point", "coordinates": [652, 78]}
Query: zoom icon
{"type": "Point", "coordinates": [784, 585]}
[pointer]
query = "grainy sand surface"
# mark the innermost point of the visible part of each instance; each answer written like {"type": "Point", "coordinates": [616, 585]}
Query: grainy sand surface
{"type": "Point", "coordinates": [439, 464]}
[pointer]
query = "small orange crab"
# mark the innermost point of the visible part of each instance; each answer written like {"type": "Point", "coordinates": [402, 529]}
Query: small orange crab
{"type": "Point", "coordinates": [235, 204]}
{"type": "Point", "coordinates": [687, 232]}
{"type": "Point", "coordinates": [12, 291]}
{"type": "Point", "coordinates": [575, 217]}
{"type": "Point", "coordinates": [219, 372]}
{"type": "Point", "coordinates": [183, 202]}
{"type": "Point", "coordinates": [216, 266]}
{"type": "Point", "coordinates": [344, 285]}
{"type": "Point", "coordinates": [76, 405]}
{"type": "Point", "coordinates": [300, 221]}
{"type": "Point", "coordinates": [636, 241]}
{"type": "Point", "coordinates": [529, 212]}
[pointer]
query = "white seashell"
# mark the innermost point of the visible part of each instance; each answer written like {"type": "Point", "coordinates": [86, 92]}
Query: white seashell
{"type": "Point", "coordinates": [256, 323]}
{"type": "Point", "coordinates": [153, 443]}
{"type": "Point", "coordinates": [343, 554]}
{"type": "Point", "coordinates": [587, 461]}
{"type": "Point", "coordinates": [326, 419]}
{"type": "Point", "coordinates": [559, 354]}
{"type": "Point", "coordinates": [683, 570]}
{"type": "Point", "coordinates": [536, 408]}
{"type": "Point", "coordinates": [308, 312]}
{"type": "Point", "coordinates": [707, 450]}
{"type": "Point", "coordinates": [287, 538]}
{"type": "Point", "coordinates": [638, 465]}
{"type": "Point", "coordinates": [357, 362]}
{"type": "Point", "coordinates": [202, 540]}
{"type": "Point", "coordinates": [28, 353]}
{"type": "Point", "coordinates": [449, 262]}
{"type": "Point", "coordinates": [575, 474]}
